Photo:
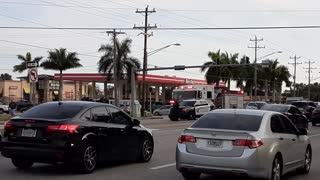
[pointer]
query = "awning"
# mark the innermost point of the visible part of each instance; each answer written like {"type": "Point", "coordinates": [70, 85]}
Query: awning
{"type": "Point", "coordinates": [26, 90]}
{"type": "Point", "coordinates": [56, 93]}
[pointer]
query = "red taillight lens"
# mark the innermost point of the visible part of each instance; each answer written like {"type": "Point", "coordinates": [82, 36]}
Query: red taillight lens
{"type": "Point", "coordinates": [186, 138]}
{"type": "Point", "coordinates": [252, 144]}
{"type": "Point", "coordinates": [9, 127]}
{"type": "Point", "coordinates": [63, 128]}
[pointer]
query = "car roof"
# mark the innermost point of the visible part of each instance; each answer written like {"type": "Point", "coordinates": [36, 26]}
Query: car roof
{"type": "Point", "coordinates": [78, 103]}
{"type": "Point", "coordinates": [283, 105]}
{"type": "Point", "coordinates": [257, 102]}
{"type": "Point", "coordinates": [242, 112]}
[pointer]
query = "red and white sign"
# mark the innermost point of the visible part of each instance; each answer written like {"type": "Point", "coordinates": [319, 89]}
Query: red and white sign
{"type": "Point", "coordinates": [33, 75]}
{"type": "Point", "coordinates": [13, 87]}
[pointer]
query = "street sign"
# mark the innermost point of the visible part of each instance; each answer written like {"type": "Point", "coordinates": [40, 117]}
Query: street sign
{"type": "Point", "coordinates": [33, 75]}
{"type": "Point", "coordinates": [32, 64]}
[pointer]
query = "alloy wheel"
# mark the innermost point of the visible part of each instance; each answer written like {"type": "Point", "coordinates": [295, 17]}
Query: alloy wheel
{"type": "Point", "coordinates": [90, 158]}
{"type": "Point", "coordinates": [307, 160]}
{"type": "Point", "coordinates": [147, 150]}
{"type": "Point", "coordinates": [276, 170]}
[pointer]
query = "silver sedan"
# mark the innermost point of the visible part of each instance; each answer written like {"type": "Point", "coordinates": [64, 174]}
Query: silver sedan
{"type": "Point", "coordinates": [254, 143]}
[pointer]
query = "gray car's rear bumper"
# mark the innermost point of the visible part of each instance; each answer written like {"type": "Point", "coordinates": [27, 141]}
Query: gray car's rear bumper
{"type": "Point", "coordinates": [249, 164]}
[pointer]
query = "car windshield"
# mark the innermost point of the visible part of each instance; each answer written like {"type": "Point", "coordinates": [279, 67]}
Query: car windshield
{"type": "Point", "coordinates": [228, 121]}
{"type": "Point", "coordinates": [187, 103]}
{"type": "Point", "coordinates": [300, 104]}
{"type": "Point", "coordinates": [260, 105]}
{"type": "Point", "coordinates": [277, 108]}
{"type": "Point", "coordinates": [53, 111]}
{"type": "Point", "coordinates": [184, 94]}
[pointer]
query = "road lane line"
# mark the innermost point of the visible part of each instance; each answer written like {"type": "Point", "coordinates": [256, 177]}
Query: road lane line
{"type": "Point", "coordinates": [163, 166]}
{"type": "Point", "coordinates": [315, 135]}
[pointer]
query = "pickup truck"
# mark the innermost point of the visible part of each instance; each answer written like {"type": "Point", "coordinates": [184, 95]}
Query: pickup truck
{"type": "Point", "coordinates": [3, 108]}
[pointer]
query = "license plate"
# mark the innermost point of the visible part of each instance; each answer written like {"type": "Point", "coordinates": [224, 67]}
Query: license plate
{"type": "Point", "coordinates": [214, 143]}
{"type": "Point", "coordinates": [29, 132]}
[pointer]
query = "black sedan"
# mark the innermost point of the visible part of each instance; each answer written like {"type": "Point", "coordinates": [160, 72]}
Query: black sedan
{"type": "Point", "coordinates": [292, 112]}
{"type": "Point", "coordinates": [78, 133]}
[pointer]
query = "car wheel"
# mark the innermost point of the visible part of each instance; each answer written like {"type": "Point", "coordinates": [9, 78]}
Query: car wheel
{"type": "Point", "coordinates": [157, 114]}
{"type": "Point", "coordinates": [173, 118]}
{"type": "Point", "coordinates": [1, 111]}
{"type": "Point", "coordinates": [194, 116]}
{"type": "Point", "coordinates": [307, 162]}
{"type": "Point", "coordinates": [22, 163]}
{"type": "Point", "coordinates": [88, 158]}
{"type": "Point", "coordinates": [146, 150]}
{"type": "Point", "coordinates": [190, 175]}
{"type": "Point", "coordinates": [276, 169]}
{"type": "Point", "coordinates": [314, 124]}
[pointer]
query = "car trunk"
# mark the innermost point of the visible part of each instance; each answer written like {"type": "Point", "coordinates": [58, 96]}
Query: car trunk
{"type": "Point", "coordinates": [218, 143]}
{"type": "Point", "coordinates": [31, 130]}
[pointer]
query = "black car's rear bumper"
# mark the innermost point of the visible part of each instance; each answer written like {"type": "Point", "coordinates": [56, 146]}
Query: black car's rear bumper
{"type": "Point", "coordinates": [42, 154]}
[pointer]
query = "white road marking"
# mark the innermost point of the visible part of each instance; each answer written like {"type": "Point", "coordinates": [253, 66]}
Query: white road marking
{"type": "Point", "coordinates": [315, 135]}
{"type": "Point", "coordinates": [163, 166]}
{"type": "Point", "coordinates": [154, 129]}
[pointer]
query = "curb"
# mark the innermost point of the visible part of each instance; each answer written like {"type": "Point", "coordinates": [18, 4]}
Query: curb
{"type": "Point", "coordinates": [153, 117]}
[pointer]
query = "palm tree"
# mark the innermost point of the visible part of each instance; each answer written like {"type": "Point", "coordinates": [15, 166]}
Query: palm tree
{"type": "Point", "coordinates": [213, 74]}
{"type": "Point", "coordinates": [25, 59]}
{"type": "Point", "coordinates": [61, 60]}
{"type": "Point", "coordinates": [124, 61]}
{"type": "Point", "coordinates": [244, 75]}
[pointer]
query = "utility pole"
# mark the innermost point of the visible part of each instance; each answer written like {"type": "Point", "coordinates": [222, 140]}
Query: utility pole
{"type": "Point", "coordinates": [114, 34]}
{"type": "Point", "coordinates": [145, 28]}
{"type": "Point", "coordinates": [295, 72]}
{"type": "Point", "coordinates": [309, 76]}
{"type": "Point", "coordinates": [256, 48]}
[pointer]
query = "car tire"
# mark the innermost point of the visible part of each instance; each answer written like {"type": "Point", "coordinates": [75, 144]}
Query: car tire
{"type": "Point", "coordinates": [314, 124]}
{"type": "Point", "coordinates": [88, 156]}
{"type": "Point", "coordinates": [1, 111]}
{"type": "Point", "coordinates": [146, 150]}
{"type": "Point", "coordinates": [307, 162]}
{"type": "Point", "coordinates": [157, 114]}
{"type": "Point", "coordinates": [22, 163]}
{"type": "Point", "coordinates": [174, 118]}
{"type": "Point", "coordinates": [194, 116]}
{"type": "Point", "coordinates": [276, 171]}
{"type": "Point", "coordinates": [190, 175]}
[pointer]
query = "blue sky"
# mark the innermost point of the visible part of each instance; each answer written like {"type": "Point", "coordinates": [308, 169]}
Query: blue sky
{"type": "Point", "coordinates": [174, 13]}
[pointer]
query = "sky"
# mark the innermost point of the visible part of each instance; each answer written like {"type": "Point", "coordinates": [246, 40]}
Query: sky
{"type": "Point", "coordinates": [195, 45]}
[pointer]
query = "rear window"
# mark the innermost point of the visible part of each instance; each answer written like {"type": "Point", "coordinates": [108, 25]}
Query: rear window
{"type": "Point", "coordinates": [53, 111]}
{"type": "Point", "coordinates": [187, 103]}
{"type": "Point", "coordinates": [277, 108]}
{"type": "Point", "coordinates": [300, 104]}
{"type": "Point", "coordinates": [229, 122]}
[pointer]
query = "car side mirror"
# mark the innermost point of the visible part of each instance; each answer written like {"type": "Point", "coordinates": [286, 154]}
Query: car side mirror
{"type": "Point", "coordinates": [302, 131]}
{"type": "Point", "coordinates": [136, 122]}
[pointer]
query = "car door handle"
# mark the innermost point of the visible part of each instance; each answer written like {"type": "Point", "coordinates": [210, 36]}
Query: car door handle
{"type": "Point", "coordinates": [281, 138]}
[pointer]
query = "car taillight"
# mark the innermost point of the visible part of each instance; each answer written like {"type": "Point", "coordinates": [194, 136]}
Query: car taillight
{"type": "Point", "coordinates": [187, 138]}
{"type": "Point", "coordinates": [8, 127]}
{"type": "Point", "coordinates": [252, 144]}
{"type": "Point", "coordinates": [186, 109]}
{"type": "Point", "coordinates": [63, 128]}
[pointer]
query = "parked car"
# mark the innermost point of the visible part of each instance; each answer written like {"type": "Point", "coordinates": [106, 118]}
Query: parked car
{"type": "Point", "coordinates": [80, 134]}
{"type": "Point", "coordinates": [190, 109]}
{"type": "Point", "coordinates": [306, 107]}
{"type": "Point", "coordinates": [163, 110]}
{"type": "Point", "coordinates": [292, 112]}
{"type": "Point", "coordinates": [23, 105]}
{"type": "Point", "coordinates": [254, 143]}
{"type": "Point", "coordinates": [4, 108]}
{"type": "Point", "coordinates": [255, 105]}
{"type": "Point", "coordinates": [315, 116]}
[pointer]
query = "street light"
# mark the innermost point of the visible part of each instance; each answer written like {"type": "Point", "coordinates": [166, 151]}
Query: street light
{"type": "Point", "coordinates": [256, 72]}
{"type": "Point", "coordinates": [144, 73]}
{"type": "Point", "coordinates": [279, 52]}
{"type": "Point", "coordinates": [162, 48]}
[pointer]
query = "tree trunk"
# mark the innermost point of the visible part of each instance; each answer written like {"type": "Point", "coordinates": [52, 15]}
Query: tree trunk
{"type": "Point", "coordinates": [274, 92]}
{"type": "Point", "coordinates": [61, 87]}
{"type": "Point", "coordinates": [229, 82]}
{"type": "Point", "coordinates": [266, 90]}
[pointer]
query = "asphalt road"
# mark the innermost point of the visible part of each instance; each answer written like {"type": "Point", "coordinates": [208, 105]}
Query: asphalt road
{"type": "Point", "coordinates": [159, 168]}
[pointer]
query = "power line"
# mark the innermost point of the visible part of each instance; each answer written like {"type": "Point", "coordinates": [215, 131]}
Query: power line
{"type": "Point", "coordinates": [295, 72]}
{"type": "Point", "coordinates": [309, 77]}
{"type": "Point", "coordinates": [160, 28]}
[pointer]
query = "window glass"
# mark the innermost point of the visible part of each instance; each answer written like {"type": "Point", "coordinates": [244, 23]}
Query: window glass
{"type": "Point", "coordinates": [277, 108]}
{"type": "Point", "coordinates": [100, 114]}
{"type": "Point", "coordinates": [187, 103]}
{"type": "Point", "coordinates": [209, 94]}
{"type": "Point", "coordinates": [252, 104]}
{"type": "Point", "coordinates": [86, 116]}
{"type": "Point", "coordinates": [54, 111]}
{"type": "Point", "coordinates": [118, 117]}
{"type": "Point", "coordinates": [290, 128]}
{"type": "Point", "coordinates": [276, 125]}
{"type": "Point", "coordinates": [229, 121]}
